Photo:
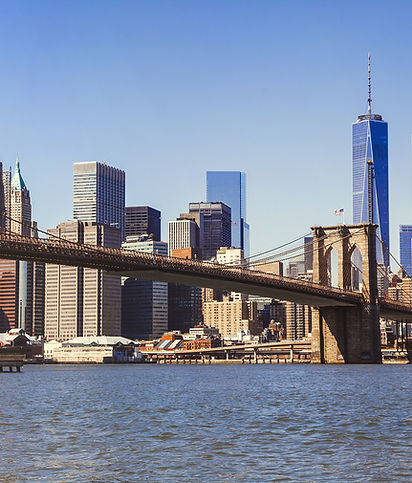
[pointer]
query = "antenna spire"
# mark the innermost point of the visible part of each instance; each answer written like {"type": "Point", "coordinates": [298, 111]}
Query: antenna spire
{"type": "Point", "coordinates": [369, 85]}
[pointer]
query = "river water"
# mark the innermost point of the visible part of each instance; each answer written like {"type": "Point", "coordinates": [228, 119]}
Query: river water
{"type": "Point", "coordinates": [165, 423]}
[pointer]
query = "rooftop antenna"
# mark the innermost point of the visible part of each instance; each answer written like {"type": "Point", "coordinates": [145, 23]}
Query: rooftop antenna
{"type": "Point", "coordinates": [369, 85]}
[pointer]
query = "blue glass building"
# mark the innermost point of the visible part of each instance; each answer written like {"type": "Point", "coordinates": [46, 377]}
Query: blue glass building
{"type": "Point", "coordinates": [370, 144]}
{"type": "Point", "coordinates": [405, 243]}
{"type": "Point", "coordinates": [230, 188]}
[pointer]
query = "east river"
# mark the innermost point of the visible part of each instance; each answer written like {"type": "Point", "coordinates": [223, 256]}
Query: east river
{"type": "Point", "coordinates": [166, 423]}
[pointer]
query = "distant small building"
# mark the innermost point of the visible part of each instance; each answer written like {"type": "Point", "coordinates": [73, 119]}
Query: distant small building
{"type": "Point", "coordinates": [201, 343]}
{"type": "Point", "coordinates": [33, 346]}
{"type": "Point", "coordinates": [242, 336]}
{"type": "Point", "coordinates": [49, 348]}
{"type": "Point", "coordinates": [92, 349]}
{"type": "Point", "coordinates": [202, 331]}
{"type": "Point", "coordinates": [126, 353]}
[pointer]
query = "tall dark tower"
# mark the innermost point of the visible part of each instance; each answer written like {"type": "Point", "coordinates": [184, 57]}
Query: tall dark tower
{"type": "Point", "coordinates": [370, 173]}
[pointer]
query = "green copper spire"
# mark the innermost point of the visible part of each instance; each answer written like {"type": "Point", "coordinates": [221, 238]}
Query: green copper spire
{"type": "Point", "coordinates": [17, 181]}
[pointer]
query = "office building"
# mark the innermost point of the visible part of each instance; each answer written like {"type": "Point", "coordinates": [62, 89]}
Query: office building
{"type": "Point", "coordinates": [188, 253]}
{"type": "Point", "coordinates": [214, 222]}
{"type": "Point", "coordinates": [142, 220]}
{"type": "Point", "coordinates": [231, 256]}
{"type": "Point", "coordinates": [183, 233]}
{"type": "Point", "coordinates": [99, 194]}
{"type": "Point", "coordinates": [269, 266]}
{"type": "Point", "coordinates": [185, 307]}
{"type": "Point", "coordinates": [144, 302]}
{"type": "Point", "coordinates": [20, 205]}
{"type": "Point", "coordinates": [6, 195]}
{"type": "Point", "coordinates": [298, 321]}
{"type": "Point", "coordinates": [185, 302]}
{"type": "Point", "coordinates": [405, 243]}
{"type": "Point", "coordinates": [21, 282]}
{"type": "Point", "coordinates": [308, 253]}
{"type": "Point", "coordinates": [296, 269]}
{"type": "Point", "coordinates": [82, 301]}
{"type": "Point", "coordinates": [231, 316]}
{"type": "Point", "coordinates": [230, 188]}
{"type": "Point", "coordinates": [370, 175]}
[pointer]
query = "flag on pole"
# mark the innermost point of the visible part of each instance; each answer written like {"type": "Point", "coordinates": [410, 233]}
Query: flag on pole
{"type": "Point", "coordinates": [339, 212]}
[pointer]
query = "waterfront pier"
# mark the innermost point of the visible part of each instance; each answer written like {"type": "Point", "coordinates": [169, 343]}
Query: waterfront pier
{"type": "Point", "coordinates": [11, 358]}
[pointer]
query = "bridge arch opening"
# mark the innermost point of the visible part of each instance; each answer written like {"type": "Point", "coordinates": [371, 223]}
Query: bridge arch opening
{"type": "Point", "coordinates": [356, 269]}
{"type": "Point", "coordinates": [333, 270]}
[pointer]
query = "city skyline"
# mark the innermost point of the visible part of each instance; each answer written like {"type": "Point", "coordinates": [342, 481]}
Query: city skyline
{"type": "Point", "coordinates": [236, 118]}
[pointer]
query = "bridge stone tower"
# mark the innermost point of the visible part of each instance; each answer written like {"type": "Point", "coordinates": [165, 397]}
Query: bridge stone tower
{"type": "Point", "coordinates": [346, 334]}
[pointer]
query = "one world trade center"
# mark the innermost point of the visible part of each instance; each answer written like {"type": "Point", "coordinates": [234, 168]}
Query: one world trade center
{"type": "Point", "coordinates": [370, 174]}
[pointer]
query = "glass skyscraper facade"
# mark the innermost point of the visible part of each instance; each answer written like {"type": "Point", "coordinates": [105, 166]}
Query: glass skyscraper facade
{"type": "Point", "coordinates": [370, 177]}
{"type": "Point", "coordinates": [214, 226]}
{"type": "Point", "coordinates": [144, 302]}
{"type": "Point", "coordinates": [142, 220]}
{"type": "Point", "coordinates": [99, 194]}
{"type": "Point", "coordinates": [230, 188]}
{"type": "Point", "coordinates": [405, 243]}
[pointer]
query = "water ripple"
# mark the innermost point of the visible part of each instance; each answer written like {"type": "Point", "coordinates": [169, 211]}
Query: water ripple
{"type": "Point", "coordinates": [206, 423]}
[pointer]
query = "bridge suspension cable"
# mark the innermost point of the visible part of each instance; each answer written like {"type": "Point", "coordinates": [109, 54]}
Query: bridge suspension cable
{"type": "Point", "coordinates": [404, 294]}
{"type": "Point", "coordinates": [276, 248]}
{"type": "Point", "coordinates": [289, 254]}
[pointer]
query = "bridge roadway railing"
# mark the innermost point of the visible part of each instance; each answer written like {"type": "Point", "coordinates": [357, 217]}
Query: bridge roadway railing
{"type": "Point", "coordinates": [65, 252]}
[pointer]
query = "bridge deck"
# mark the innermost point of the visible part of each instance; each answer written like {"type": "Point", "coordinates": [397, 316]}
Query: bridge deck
{"type": "Point", "coordinates": [186, 272]}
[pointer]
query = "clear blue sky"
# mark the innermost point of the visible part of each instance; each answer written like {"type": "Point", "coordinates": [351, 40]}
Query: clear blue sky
{"type": "Point", "coordinates": [169, 89]}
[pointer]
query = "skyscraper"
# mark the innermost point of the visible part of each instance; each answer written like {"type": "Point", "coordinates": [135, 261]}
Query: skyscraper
{"type": "Point", "coordinates": [21, 282]}
{"type": "Point", "coordinates": [298, 321]}
{"type": "Point", "coordinates": [183, 233]}
{"type": "Point", "coordinates": [308, 252]}
{"type": "Point", "coordinates": [370, 174]}
{"type": "Point", "coordinates": [6, 179]}
{"type": "Point", "coordinates": [99, 194]}
{"type": "Point", "coordinates": [405, 244]}
{"type": "Point", "coordinates": [230, 187]}
{"type": "Point", "coordinates": [82, 301]}
{"type": "Point", "coordinates": [215, 226]}
{"type": "Point", "coordinates": [144, 302]}
{"type": "Point", "coordinates": [20, 207]}
{"type": "Point", "coordinates": [142, 220]}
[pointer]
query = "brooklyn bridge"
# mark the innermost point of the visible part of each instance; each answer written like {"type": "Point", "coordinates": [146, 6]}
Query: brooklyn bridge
{"type": "Point", "coordinates": [345, 323]}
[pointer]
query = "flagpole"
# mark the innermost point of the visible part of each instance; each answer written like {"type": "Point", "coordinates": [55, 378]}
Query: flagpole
{"type": "Point", "coordinates": [341, 213]}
